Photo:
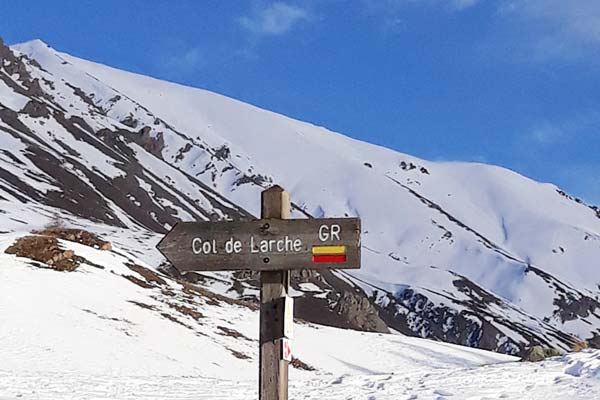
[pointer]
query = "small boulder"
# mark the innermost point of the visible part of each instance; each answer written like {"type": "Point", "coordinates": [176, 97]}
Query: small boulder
{"type": "Point", "coordinates": [535, 354]}
{"type": "Point", "coordinates": [538, 353]}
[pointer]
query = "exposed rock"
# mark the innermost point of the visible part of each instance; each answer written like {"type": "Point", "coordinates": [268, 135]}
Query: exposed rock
{"type": "Point", "coordinates": [149, 275]}
{"type": "Point", "coordinates": [35, 109]}
{"type": "Point", "coordinates": [535, 354]}
{"type": "Point", "coordinates": [190, 312]}
{"type": "Point", "coordinates": [232, 333]}
{"type": "Point", "coordinates": [130, 121]}
{"type": "Point", "coordinates": [298, 364]}
{"type": "Point", "coordinates": [76, 235]}
{"type": "Point", "coordinates": [46, 250]}
{"type": "Point", "coordinates": [181, 152]}
{"type": "Point", "coordinates": [539, 353]}
{"type": "Point", "coordinates": [86, 98]}
{"type": "Point", "coordinates": [359, 311]}
{"type": "Point", "coordinates": [35, 89]}
{"type": "Point", "coordinates": [344, 306]}
{"type": "Point", "coordinates": [222, 152]}
{"type": "Point", "coordinates": [257, 179]}
{"type": "Point", "coordinates": [238, 354]}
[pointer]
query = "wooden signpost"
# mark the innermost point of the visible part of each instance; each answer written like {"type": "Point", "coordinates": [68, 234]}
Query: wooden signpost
{"type": "Point", "coordinates": [273, 245]}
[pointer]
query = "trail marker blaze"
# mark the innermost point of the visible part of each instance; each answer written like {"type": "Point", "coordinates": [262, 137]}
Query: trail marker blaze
{"type": "Point", "coordinates": [329, 254]}
{"type": "Point", "coordinates": [288, 317]}
{"type": "Point", "coordinates": [272, 245]}
{"type": "Point", "coordinates": [286, 349]}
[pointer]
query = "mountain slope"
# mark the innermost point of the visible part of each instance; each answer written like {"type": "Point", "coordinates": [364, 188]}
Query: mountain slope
{"type": "Point", "coordinates": [117, 328]}
{"type": "Point", "coordinates": [466, 253]}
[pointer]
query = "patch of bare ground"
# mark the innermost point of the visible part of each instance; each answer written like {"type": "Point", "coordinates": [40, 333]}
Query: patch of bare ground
{"type": "Point", "coordinates": [149, 275]}
{"type": "Point", "coordinates": [213, 298]}
{"type": "Point", "coordinates": [579, 345]}
{"type": "Point", "coordinates": [238, 354]}
{"type": "Point", "coordinates": [76, 235]}
{"type": "Point", "coordinates": [46, 250]}
{"type": "Point", "coordinates": [173, 319]}
{"type": "Point", "coordinates": [138, 281]}
{"type": "Point", "coordinates": [298, 364]}
{"type": "Point", "coordinates": [197, 315]}
{"type": "Point", "coordinates": [231, 332]}
{"type": "Point", "coordinates": [142, 305]}
{"type": "Point", "coordinates": [106, 317]}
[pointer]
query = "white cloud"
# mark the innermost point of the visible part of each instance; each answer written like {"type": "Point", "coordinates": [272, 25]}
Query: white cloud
{"type": "Point", "coordinates": [386, 6]}
{"type": "Point", "coordinates": [463, 4]}
{"type": "Point", "coordinates": [276, 19]}
{"type": "Point", "coordinates": [181, 63]}
{"type": "Point", "coordinates": [579, 19]}
{"type": "Point", "coordinates": [556, 28]}
{"type": "Point", "coordinates": [578, 127]}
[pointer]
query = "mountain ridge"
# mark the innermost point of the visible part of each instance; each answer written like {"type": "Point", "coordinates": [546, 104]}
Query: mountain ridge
{"type": "Point", "coordinates": [454, 251]}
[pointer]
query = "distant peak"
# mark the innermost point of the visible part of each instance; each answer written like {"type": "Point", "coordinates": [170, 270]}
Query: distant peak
{"type": "Point", "coordinates": [31, 46]}
{"type": "Point", "coordinates": [34, 42]}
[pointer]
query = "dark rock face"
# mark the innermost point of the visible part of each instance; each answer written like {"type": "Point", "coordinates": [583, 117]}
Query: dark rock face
{"type": "Point", "coordinates": [359, 312]}
{"type": "Point", "coordinates": [332, 302]}
{"type": "Point", "coordinates": [36, 109]}
{"type": "Point", "coordinates": [339, 304]}
{"type": "Point", "coordinates": [477, 325]}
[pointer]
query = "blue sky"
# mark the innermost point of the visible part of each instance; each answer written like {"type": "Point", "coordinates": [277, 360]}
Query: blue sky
{"type": "Point", "coordinates": [510, 82]}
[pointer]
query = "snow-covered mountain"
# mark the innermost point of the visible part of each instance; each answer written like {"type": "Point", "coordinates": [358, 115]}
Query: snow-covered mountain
{"type": "Point", "coordinates": [465, 253]}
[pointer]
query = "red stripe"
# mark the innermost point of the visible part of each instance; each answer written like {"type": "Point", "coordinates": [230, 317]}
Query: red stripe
{"type": "Point", "coordinates": [329, 258]}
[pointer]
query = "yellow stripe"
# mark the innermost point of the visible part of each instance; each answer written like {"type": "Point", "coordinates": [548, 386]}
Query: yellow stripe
{"type": "Point", "coordinates": [334, 250]}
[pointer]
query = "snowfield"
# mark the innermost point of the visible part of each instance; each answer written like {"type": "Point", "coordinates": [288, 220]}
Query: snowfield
{"type": "Point", "coordinates": [546, 381]}
{"type": "Point", "coordinates": [94, 334]}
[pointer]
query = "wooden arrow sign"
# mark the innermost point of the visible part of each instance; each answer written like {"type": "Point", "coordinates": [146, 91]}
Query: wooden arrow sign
{"type": "Point", "coordinates": [264, 245]}
{"type": "Point", "coordinates": [273, 245]}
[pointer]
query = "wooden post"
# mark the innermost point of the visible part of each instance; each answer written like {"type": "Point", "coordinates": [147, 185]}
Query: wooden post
{"type": "Point", "coordinates": [273, 370]}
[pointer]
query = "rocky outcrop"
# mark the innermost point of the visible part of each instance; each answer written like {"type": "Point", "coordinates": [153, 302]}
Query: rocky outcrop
{"type": "Point", "coordinates": [539, 353]}
{"type": "Point", "coordinates": [46, 250]}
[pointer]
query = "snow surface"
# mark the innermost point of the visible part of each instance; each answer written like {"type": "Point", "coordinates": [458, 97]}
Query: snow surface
{"type": "Point", "coordinates": [10, 98]}
{"type": "Point", "coordinates": [79, 335]}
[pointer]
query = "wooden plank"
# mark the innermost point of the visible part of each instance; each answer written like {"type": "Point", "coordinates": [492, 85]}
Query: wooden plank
{"type": "Point", "coordinates": [273, 369]}
{"type": "Point", "coordinates": [267, 244]}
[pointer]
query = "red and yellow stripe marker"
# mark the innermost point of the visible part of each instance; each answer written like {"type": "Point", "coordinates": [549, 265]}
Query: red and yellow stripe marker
{"type": "Point", "coordinates": [329, 254]}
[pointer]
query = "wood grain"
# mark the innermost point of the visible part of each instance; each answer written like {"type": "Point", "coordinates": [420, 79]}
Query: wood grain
{"type": "Point", "coordinates": [273, 375]}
